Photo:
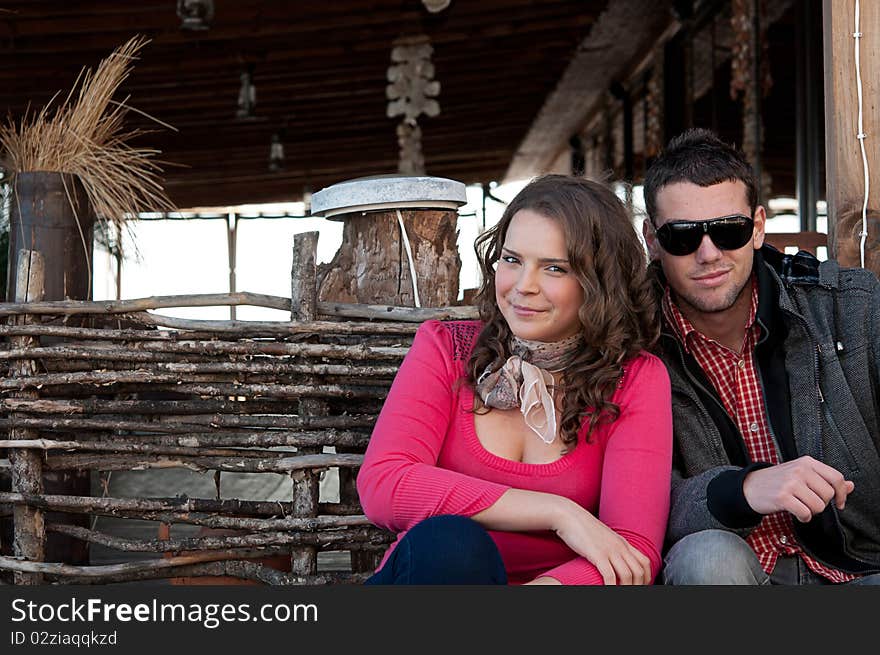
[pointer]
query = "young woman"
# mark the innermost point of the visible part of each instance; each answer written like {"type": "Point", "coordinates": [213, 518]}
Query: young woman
{"type": "Point", "coordinates": [533, 446]}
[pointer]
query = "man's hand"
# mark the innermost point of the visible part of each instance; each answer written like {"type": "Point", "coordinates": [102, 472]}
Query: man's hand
{"type": "Point", "coordinates": [803, 487]}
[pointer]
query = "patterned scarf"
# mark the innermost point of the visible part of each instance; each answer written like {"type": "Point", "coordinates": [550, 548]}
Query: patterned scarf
{"type": "Point", "coordinates": [525, 378]}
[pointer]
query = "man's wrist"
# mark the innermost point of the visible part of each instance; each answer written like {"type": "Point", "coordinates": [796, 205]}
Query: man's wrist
{"type": "Point", "coordinates": [727, 501]}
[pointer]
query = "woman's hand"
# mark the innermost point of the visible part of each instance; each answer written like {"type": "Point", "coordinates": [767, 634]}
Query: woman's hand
{"type": "Point", "coordinates": [617, 561]}
{"type": "Point", "coordinates": [522, 511]}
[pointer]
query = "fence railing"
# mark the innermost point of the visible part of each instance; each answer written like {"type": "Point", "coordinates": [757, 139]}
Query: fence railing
{"type": "Point", "coordinates": [111, 385]}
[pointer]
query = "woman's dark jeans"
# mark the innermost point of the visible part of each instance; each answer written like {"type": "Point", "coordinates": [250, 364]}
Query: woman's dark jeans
{"type": "Point", "coordinates": [440, 550]}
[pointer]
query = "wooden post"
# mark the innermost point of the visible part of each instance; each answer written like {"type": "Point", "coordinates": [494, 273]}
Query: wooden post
{"type": "Point", "coordinates": [808, 99]}
{"type": "Point", "coordinates": [303, 277]}
{"type": "Point", "coordinates": [29, 532]}
{"type": "Point", "coordinates": [304, 559]}
{"type": "Point", "coordinates": [677, 90]}
{"type": "Point", "coordinates": [843, 159]}
{"type": "Point", "coordinates": [362, 561]}
{"type": "Point", "coordinates": [50, 213]}
{"type": "Point", "coordinates": [303, 307]}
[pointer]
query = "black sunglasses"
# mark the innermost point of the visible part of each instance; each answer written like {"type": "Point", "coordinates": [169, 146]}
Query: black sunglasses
{"type": "Point", "coordinates": [684, 237]}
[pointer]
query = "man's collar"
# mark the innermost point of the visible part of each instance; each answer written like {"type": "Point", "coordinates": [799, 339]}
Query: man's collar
{"type": "Point", "coordinates": [767, 295]}
{"type": "Point", "coordinates": [768, 290]}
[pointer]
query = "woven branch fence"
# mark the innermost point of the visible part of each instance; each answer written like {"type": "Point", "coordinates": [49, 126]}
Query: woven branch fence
{"type": "Point", "coordinates": [110, 385]}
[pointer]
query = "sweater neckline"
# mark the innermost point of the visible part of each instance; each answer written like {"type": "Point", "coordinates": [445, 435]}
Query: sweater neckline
{"type": "Point", "coordinates": [502, 463]}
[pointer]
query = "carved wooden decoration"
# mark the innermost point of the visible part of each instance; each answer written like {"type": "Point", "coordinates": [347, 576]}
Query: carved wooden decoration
{"type": "Point", "coordinates": [411, 93]}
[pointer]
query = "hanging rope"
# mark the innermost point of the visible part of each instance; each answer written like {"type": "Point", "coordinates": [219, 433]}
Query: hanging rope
{"type": "Point", "coordinates": [861, 136]}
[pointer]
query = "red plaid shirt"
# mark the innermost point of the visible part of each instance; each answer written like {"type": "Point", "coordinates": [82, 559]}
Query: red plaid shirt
{"type": "Point", "coordinates": [735, 378]}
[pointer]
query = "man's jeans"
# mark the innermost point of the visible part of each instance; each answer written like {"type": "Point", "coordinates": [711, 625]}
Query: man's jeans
{"type": "Point", "coordinates": [718, 557]}
{"type": "Point", "coordinates": [442, 550]}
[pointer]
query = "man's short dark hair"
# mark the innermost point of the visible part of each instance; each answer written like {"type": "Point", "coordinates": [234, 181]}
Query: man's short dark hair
{"type": "Point", "coordinates": [698, 156]}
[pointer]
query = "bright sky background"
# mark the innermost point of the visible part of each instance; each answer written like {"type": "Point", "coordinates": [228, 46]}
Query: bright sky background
{"type": "Point", "coordinates": [191, 256]}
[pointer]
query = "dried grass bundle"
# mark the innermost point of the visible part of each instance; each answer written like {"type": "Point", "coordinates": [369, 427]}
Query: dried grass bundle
{"type": "Point", "coordinates": [85, 137]}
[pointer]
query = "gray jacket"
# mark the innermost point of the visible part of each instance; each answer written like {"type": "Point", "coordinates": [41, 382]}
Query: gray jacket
{"type": "Point", "coordinates": [819, 363]}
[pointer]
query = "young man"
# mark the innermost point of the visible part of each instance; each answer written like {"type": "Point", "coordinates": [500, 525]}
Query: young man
{"type": "Point", "coordinates": [775, 368]}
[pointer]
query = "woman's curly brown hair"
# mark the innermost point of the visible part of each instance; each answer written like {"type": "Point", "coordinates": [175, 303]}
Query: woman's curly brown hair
{"type": "Point", "coordinates": [618, 313]}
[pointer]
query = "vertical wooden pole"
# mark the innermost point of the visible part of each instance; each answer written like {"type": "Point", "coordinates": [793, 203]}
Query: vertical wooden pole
{"type": "Point", "coordinates": [655, 108]}
{"type": "Point", "coordinates": [753, 120]}
{"type": "Point", "coordinates": [623, 94]}
{"type": "Point", "coordinates": [303, 277]}
{"type": "Point", "coordinates": [677, 89]}
{"type": "Point", "coordinates": [303, 295]}
{"type": "Point", "coordinates": [607, 135]}
{"type": "Point", "coordinates": [29, 532]}
{"type": "Point", "coordinates": [808, 99]}
{"type": "Point", "coordinates": [305, 483]}
{"type": "Point", "coordinates": [362, 561]}
{"type": "Point", "coordinates": [50, 213]}
{"type": "Point", "coordinates": [304, 559]}
{"type": "Point", "coordinates": [843, 159]}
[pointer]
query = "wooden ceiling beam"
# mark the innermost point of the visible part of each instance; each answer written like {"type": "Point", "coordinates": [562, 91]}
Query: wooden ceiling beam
{"type": "Point", "coordinates": [319, 72]}
{"type": "Point", "coordinates": [356, 34]}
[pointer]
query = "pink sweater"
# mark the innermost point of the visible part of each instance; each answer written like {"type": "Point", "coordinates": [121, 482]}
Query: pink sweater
{"type": "Point", "coordinates": [424, 459]}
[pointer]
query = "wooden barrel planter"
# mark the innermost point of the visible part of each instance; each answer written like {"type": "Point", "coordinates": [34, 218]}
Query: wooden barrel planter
{"type": "Point", "coordinates": [50, 213]}
{"type": "Point", "coordinates": [381, 214]}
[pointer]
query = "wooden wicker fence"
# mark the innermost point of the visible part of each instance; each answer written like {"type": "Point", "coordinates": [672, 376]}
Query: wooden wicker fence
{"type": "Point", "coordinates": [109, 385]}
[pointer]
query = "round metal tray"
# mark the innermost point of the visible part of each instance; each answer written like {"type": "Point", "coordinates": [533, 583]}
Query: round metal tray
{"type": "Point", "coordinates": [380, 192]}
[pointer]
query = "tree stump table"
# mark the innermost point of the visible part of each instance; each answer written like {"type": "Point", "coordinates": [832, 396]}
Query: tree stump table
{"type": "Point", "coordinates": [394, 225]}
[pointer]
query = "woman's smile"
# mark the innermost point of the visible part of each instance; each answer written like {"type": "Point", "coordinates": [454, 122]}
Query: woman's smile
{"type": "Point", "coordinates": [535, 288]}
